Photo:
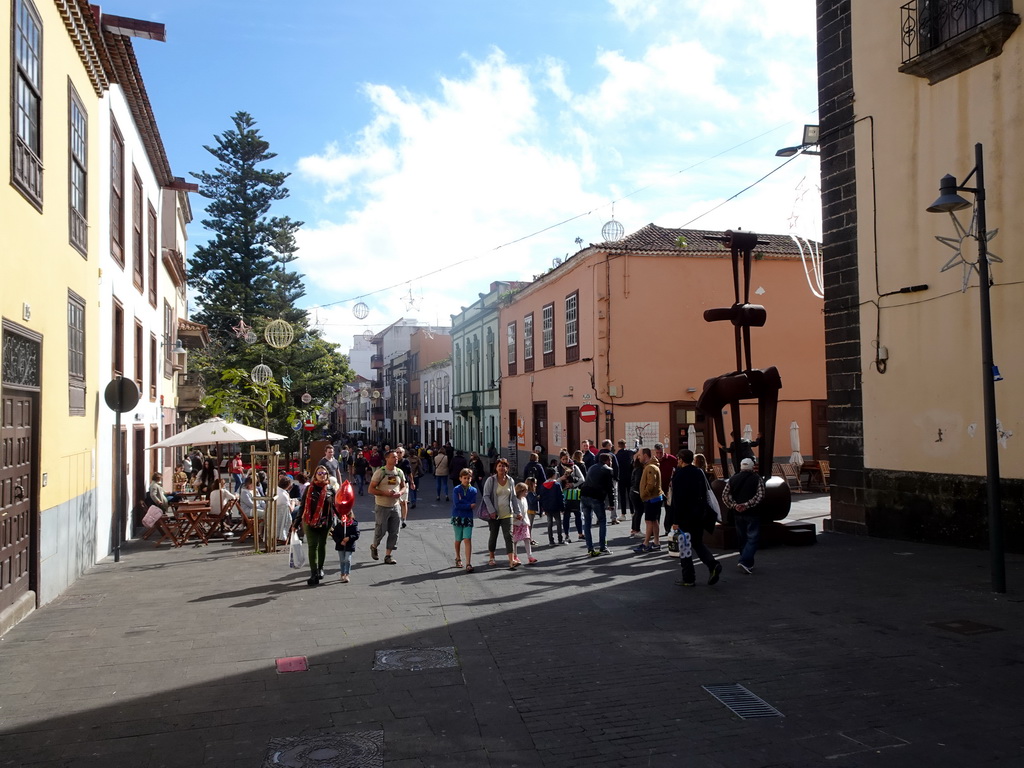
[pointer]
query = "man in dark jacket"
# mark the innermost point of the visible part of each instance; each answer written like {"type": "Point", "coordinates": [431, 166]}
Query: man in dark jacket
{"type": "Point", "coordinates": [743, 492]}
{"type": "Point", "coordinates": [598, 484]}
{"type": "Point", "coordinates": [624, 460]}
{"type": "Point", "coordinates": [689, 505]}
{"type": "Point", "coordinates": [535, 470]}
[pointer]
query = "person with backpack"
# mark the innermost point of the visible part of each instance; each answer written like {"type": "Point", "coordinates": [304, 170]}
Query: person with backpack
{"type": "Point", "coordinates": [361, 465]}
{"type": "Point", "coordinates": [552, 504]}
{"type": "Point", "coordinates": [441, 474]}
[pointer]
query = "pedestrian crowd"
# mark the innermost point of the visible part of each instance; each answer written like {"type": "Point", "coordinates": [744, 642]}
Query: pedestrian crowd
{"type": "Point", "coordinates": [662, 497]}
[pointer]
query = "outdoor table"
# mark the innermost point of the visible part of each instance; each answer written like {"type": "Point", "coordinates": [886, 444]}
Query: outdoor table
{"type": "Point", "coordinates": [193, 522]}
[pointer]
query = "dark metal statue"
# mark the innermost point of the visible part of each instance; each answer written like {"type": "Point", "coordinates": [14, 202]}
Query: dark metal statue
{"type": "Point", "coordinates": [746, 382]}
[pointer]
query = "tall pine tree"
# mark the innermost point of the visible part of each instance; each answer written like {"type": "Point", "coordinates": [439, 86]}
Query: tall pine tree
{"type": "Point", "coordinates": [242, 272]}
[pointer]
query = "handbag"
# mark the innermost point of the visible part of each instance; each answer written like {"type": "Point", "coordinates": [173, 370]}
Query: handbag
{"type": "Point", "coordinates": [712, 502]}
{"type": "Point", "coordinates": [153, 514]}
{"type": "Point", "coordinates": [572, 494]}
{"type": "Point", "coordinates": [296, 552]}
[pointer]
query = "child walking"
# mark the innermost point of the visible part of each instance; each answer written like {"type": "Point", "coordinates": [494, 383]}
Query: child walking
{"type": "Point", "coordinates": [552, 504]}
{"type": "Point", "coordinates": [521, 526]}
{"type": "Point", "coordinates": [346, 529]}
{"type": "Point", "coordinates": [532, 504]}
{"type": "Point", "coordinates": [464, 500]}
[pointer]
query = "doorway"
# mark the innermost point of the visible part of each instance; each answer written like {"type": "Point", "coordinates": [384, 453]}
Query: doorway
{"type": "Point", "coordinates": [18, 516]}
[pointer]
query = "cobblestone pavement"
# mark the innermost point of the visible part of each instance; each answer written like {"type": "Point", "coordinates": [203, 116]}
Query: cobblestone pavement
{"type": "Point", "coordinates": [876, 653]}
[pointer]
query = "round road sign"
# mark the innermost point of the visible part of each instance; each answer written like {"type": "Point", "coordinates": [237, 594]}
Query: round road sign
{"type": "Point", "coordinates": [588, 413]}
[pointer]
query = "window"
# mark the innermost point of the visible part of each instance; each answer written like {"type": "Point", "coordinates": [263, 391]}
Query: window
{"type": "Point", "coordinates": [548, 334]}
{"type": "Point", "coordinates": [139, 356]}
{"type": "Point", "coordinates": [117, 343]}
{"type": "Point", "coordinates": [151, 243]}
{"type": "Point", "coordinates": [458, 368]}
{"type": "Point", "coordinates": [27, 167]}
{"type": "Point", "coordinates": [78, 228]}
{"type": "Point", "coordinates": [152, 367]}
{"type": "Point", "coordinates": [76, 354]}
{"type": "Point", "coordinates": [511, 341]}
{"type": "Point", "coordinates": [116, 194]}
{"type": "Point", "coordinates": [528, 342]}
{"type": "Point", "coordinates": [572, 338]}
{"type": "Point", "coordinates": [169, 340]}
{"type": "Point", "coordinates": [137, 264]}
{"type": "Point", "coordinates": [447, 393]}
{"type": "Point", "coordinates": [492, 379]}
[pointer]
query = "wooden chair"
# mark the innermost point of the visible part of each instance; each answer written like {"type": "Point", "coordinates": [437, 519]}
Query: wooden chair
{"type": "Point", "coordinates": [826, 473]}
{"type": "Point", "coordinates": [792, 477]}
{"type": "Point", "coordinates": [216, 523]}
{"type": "Point", "coordinates": [718, 471]}
{"type": "Point", "coordinates": [248, 526]}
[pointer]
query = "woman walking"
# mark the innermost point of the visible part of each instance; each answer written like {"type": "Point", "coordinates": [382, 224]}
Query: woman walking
{"type": "Point", "coordinates": [317, 512]}
{"type": "Point", "coordinates": [498, 492]}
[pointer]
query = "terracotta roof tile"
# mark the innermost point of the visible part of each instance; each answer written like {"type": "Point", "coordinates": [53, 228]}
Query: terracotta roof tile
{"type": "Point", "coordinates": [655, 239]}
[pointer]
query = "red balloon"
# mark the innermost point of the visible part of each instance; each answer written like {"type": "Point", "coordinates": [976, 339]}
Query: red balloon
{"type": "Point", "coordinates": [344, 498]}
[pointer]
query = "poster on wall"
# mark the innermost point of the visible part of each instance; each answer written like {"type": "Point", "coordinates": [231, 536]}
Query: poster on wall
{"type": "Point", "coordinates": [556, 433]}
{"type": "Point", "coordinates": [642, 434]}
{"type": "Point", "coordinates": [521, 432]}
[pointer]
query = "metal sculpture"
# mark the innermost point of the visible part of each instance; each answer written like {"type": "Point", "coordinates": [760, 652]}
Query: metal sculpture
{"type": "Point", "coordinates": [746, 382]}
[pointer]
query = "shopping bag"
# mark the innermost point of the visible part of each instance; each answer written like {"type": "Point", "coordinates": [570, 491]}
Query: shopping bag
{"type": "Point", "coordinates": [153, 514]}
{"type": "Point", "coordinates": [296, 552]}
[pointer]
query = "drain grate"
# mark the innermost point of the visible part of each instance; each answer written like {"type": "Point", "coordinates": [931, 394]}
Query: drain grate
{"type": "Point", "coordinates": [964, 627]}
{"type": "Point", "coordinates": [414, 659]}
{"type": "Point", "coordinates": [742, 702]}
{"type": "Point", "coordinates": [357, 749]}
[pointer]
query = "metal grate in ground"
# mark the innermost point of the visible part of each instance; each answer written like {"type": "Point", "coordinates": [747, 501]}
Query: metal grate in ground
{"type": "Point", "coordinates": [358, 749]}
{"type": "Point", "coordinates": [414, 659]}
{"type": "Point", "coordinates": [742, 702]}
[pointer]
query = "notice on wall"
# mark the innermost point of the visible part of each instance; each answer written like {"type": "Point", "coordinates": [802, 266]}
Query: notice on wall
{"type": "Point", "coordinates": [521, 432]}
{"type": "Point", "coordinates": [556, 433]}
{"type": "Point", "coordinates": [642, 434]}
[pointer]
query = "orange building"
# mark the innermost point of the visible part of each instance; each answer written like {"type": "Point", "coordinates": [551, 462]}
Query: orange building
{"type": "Point", "coordinates": [619, 326]}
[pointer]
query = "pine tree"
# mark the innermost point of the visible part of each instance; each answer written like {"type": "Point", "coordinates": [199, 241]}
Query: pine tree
{"type": "Point", "coordinates": [242, 271]}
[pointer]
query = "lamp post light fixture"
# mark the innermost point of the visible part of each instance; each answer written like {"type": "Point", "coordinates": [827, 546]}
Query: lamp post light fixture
{"type": "Point", "coordinates": [949, 201]}
{"type": "Point", "coordinates": [808, 147]}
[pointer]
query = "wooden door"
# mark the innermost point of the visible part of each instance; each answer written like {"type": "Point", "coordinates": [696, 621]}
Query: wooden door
{"type": "Point", "coordinates": [17, 521]}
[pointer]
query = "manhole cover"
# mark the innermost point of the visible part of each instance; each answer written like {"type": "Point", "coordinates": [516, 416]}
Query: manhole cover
{"type": "Point", "coordinates": [742, 702]}
{"type": "Point", "coordinates": [358, 749]}
{"type": "Point", "coordinates": [964, 627]}
{"type": "Point", "coordinates": [414, 659]}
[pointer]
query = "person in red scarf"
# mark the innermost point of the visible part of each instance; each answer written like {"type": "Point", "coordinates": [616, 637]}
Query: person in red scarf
{"type": "Point", "coordinates": [317, 516]}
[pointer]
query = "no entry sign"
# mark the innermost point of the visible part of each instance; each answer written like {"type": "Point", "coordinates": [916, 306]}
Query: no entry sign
{"type": "Point", "coordinates": [588, 413]}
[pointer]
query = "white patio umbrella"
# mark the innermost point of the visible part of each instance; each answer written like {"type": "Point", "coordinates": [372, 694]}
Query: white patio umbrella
{"type": "Point", "coordinates": [691, 438]}
{"type": "Point", "coordinates": [748, 432]}
{"type": "Point", "coordinates": [794, 444]}
{"type": "Point", "coordinates": [216, 431]}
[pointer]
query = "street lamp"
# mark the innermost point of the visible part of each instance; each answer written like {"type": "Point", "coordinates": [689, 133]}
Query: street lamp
{"type": "Point", "coordinates": [949, 201]}
{"type": "Point", "coordinates": [809, 146]}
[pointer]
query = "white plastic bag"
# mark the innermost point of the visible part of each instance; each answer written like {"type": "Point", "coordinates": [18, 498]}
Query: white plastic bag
{"type": "Point", "coordinates": [296, 552]}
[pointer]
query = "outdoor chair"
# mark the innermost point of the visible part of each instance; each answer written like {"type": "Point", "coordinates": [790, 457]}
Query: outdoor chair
{"type": "Point", "coordinates": [789, 472]}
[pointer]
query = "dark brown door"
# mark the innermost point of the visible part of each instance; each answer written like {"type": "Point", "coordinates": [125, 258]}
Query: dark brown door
{"type": "Point", "coordinates": [572, 429]}
{"type": "Point", "coordinates": [540, 428]}
{"type": "Point", "coordinates": [819, 429]}
{"type": "Point", "coordinates": [140, 483]}
{"type": "Point", "coordinates": [16, 518]}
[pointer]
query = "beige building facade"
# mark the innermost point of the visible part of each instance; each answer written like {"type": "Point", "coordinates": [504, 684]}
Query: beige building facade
{"type": "Point", "coordinates": [618, 328]}
{"type": "Point", "coordinates": [906, 91]}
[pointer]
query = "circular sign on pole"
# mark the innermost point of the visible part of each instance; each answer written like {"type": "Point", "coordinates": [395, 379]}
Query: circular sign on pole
{"type": "Point", "coordinates": [308, 425]}
{"type": "Point", "coordinates": [121, 395]}
{"type": "Point", "coordinates": [588, 413]}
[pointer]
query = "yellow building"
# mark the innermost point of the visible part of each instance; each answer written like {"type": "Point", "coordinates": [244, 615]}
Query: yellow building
{"type": "Point", "coordinates": [906, 91]}
{"type": "Point", "coordinates": [52, 81]}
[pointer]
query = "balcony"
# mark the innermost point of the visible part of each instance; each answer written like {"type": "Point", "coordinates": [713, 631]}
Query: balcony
{"type": "Point", "coordinates": [942, 38]}
{"type": "Point", "coordinates": [191, 390]}
{"type": "Point", "coordinates": [376, 362]}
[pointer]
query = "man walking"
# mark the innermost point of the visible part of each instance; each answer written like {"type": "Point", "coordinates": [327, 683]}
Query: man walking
{"type": "Point", "coordinates": [624, 460]}
{"type": "Point", "coordinates": [387, 485]}
{"type": "Point", "coordinates": [598, 484]}
{"type": "Point", "coordinates": [651, 497]}
{"type": "Point", "coordinates": [333, 467]}
{"type": "Point", "coordinates": [743, 493]}
{"type": "Point", "coordinates": [667, 464]}
{"type": "Point", "coordinates": [689, 504]}
{"type": "Point", "coordinates": [405, 464]}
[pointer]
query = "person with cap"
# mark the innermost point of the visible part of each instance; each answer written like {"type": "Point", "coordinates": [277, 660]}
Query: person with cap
{"type": "Point", "coordinates": [743, 493]}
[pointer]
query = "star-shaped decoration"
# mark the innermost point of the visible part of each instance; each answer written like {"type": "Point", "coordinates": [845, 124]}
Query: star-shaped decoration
{"type": "Point", "coordinates": [287, 381]}
{"type": "Point", "coordinates": [241, 329]}
{"type": "Point", "coordinates": [965, 234]}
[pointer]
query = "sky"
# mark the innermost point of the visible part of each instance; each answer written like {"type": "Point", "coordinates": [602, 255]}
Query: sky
{"type": "Point", "coordinates": [435, 147]}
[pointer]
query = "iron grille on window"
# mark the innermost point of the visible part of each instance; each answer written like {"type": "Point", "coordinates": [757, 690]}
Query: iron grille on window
{"type": "Point", "coordinates": [929, 23]}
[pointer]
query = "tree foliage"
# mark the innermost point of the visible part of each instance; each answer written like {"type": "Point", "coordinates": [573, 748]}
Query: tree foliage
{"type": "Point", "coordinates": [242, 274]}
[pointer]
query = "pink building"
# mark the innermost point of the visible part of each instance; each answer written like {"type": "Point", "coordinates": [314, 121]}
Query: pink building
{"type": "Point", "coordinates": [619, 326]}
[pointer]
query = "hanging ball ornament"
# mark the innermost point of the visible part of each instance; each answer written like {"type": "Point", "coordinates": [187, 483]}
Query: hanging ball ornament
{"type": "Point", "coordinates": [278, 333]}
{"type": "Point", "coordinates": [251, 337]}
{"type": "Point", "coordinates": [612, 231]}
{"type": "Point", "coordinates": [360, 310]}
{"type": "Point", "coordinates": [261, 374]}
{"type": "Point", "coordinates": [306, 398]}
{"type": "Point", "coordinates": [367, 334]}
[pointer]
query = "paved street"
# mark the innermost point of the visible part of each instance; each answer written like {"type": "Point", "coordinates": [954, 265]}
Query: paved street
{"type": "Point", "coordinates": [876, 653]}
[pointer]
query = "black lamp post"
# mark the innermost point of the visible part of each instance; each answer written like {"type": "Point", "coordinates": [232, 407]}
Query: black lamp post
{"type": "Point", "coordinates": [949, 201]}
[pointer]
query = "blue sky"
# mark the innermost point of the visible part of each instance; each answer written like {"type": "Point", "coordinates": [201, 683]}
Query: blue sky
{"type": "Point", "coordinates": [423, 136]}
